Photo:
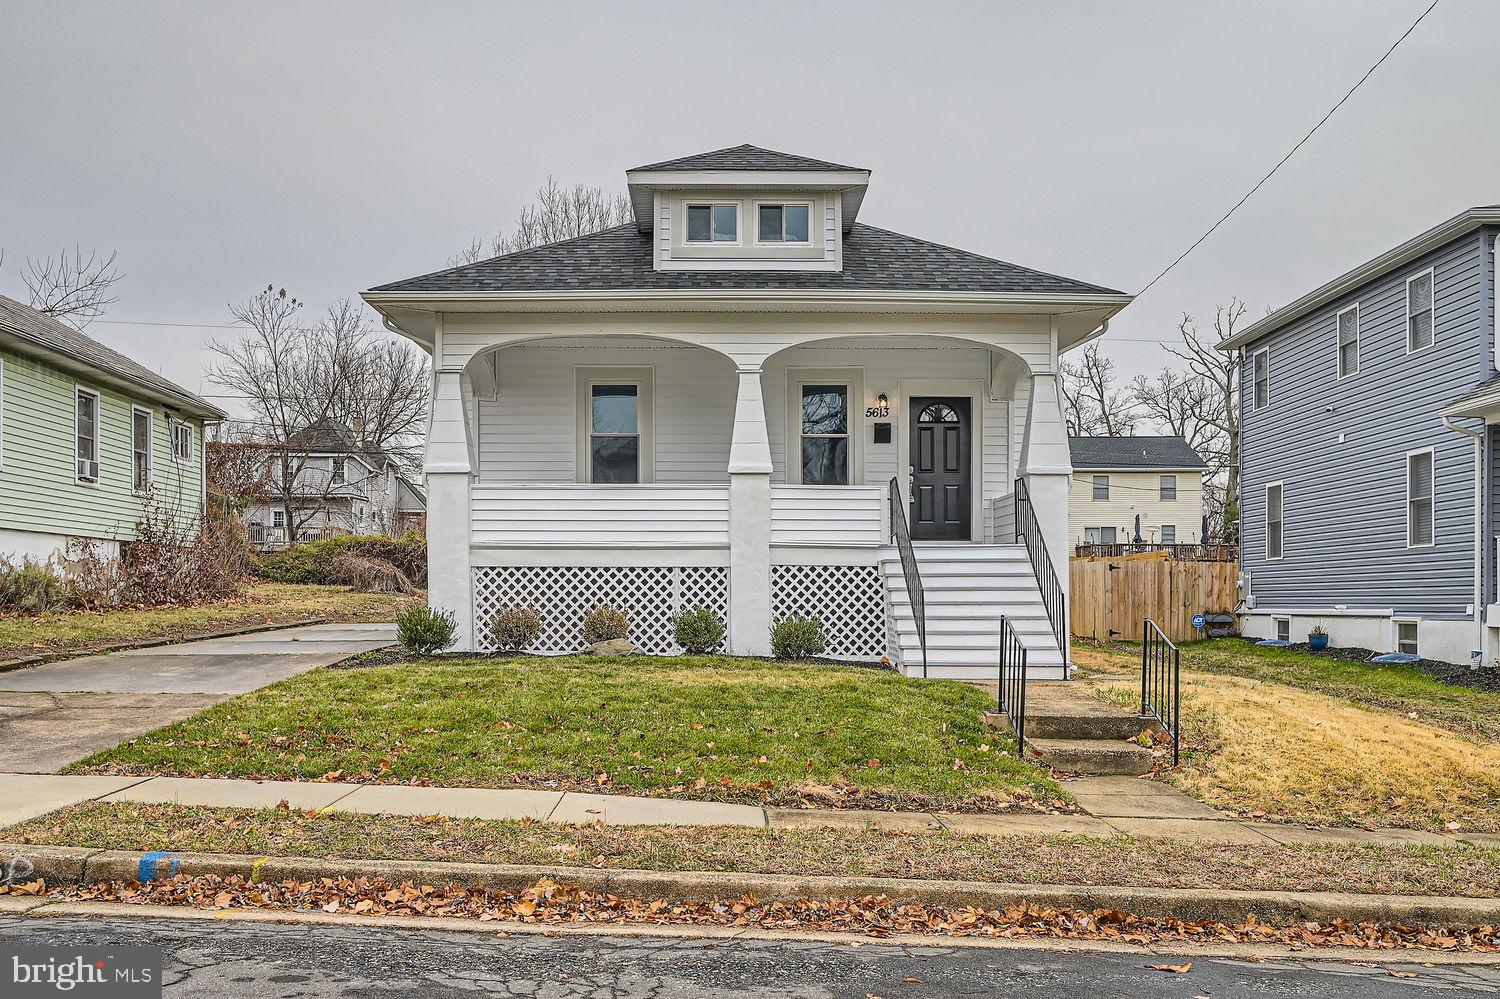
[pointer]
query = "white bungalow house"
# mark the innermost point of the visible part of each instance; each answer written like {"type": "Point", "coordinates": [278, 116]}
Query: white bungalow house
{"type": "Point", "coordinates": [711, 406]}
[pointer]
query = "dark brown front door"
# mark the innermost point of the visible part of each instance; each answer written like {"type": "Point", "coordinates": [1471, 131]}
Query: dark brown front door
{"type": "Point", "coordinates": [940, 441]}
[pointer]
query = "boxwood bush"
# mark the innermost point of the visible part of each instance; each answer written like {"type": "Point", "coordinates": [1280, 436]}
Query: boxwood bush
{"type": "Point", "coordinates": [797, 637]}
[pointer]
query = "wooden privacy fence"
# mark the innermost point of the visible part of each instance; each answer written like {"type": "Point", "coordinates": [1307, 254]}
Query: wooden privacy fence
{"type": "Point", "coordinates": [1112, 596]}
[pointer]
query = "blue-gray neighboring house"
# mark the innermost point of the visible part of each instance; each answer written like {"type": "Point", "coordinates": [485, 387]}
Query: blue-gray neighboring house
{"type": "Point", "coordinates": [1370, 453]}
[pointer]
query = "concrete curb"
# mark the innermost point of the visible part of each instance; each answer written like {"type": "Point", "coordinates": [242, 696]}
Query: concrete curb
{"type": "Point", "coordinates": [71, 865]}
{"type": "Point", "coordinates": [7, 665]}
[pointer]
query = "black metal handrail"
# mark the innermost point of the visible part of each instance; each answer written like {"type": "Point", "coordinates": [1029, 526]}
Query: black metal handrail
{"type": "Point", "coordinates": [1010, 681]}
{"type": "Point", "coordinates": [1161, 683]}
{"type": "Point", "coordinates": [1028, 530]}
{"type": "Point", "coordinates": [902, 536]}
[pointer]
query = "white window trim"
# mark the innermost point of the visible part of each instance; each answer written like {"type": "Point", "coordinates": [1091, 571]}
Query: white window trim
{"type": "Point", "coordinates": [853, 380]}
{"type": "Point", "coordinates": [644, 379]}
{"type": "Point", "coordinates": [1276, 627]}
{"type": "Point", "coordinates": [98, 435]}
{"type": "Point", "coordinates": [1161, 486]}
{"type": "Point", "coordinates": [1163, 529]}
{"type": "Point", "coordinates": [1280, 487]}
{"type": "Point", "coordinates": [1338, 343]}
{"type": "Point", "coordinates": [1253, 407]}
{"type": "Point", "coordinates": [1431, 275]}
{"type": "Point", "coordinates": [1431, 496]}
{"type": "Point", "coordinates": [755, 213]}
{"type": "Point", "coordinates": [176, 425]}
{"type": "Point", "coordinates": [1396, 624]}
{"type": "Point", "coordinates": [150, 451]}
{"type": "Point", "coordinates": [1094, 496]}
{"type": "Point", "coordinates": [712, 203]}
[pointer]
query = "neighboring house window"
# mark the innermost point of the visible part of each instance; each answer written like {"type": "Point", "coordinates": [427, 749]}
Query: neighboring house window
{"type": "Point", "coordinates": [1348, 325]}
{"type": "Point", "coordinates": [1168, 488]}
{"type": "Point", "coordinates": [614, 433]}
{"type": "Point", "coordinates": [1273, 521]}
{"type": "Point", "coordinates": [1261, 371]}
{"type": "Point", "coordinates": [1419, 312]}
{"type": "Point", "coordinates": [182, 441]}
{"type": "Point", "coordinates": [338, 471]}
{"type": "Point", "coordinates": [1419, 499]}
{"type": "Point", "coordinates": [1099, 535]}
{"type": "Point", "coordinates": [782, 223]}
{"type": "Point", "coordinates": [140, 449]}
{"type": "Point", "coordinates": [713, 223]}
{"type": "Point", "coordinates": [1101, 487]}
{"type": "Point", "coordinates": [1169, 534]}
{"type": "Point", "coordinates": [1283, 629]}
{"type": "Point", "coordinates": [1406, 637]}
{"type": "Point", "coordinates": [825, 435]}
{"type": "Point", "coordinates": [87, 435]}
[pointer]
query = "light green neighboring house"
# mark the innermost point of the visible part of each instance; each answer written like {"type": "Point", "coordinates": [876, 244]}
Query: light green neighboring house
{"type": "Point", "coordinates": [88, 437]}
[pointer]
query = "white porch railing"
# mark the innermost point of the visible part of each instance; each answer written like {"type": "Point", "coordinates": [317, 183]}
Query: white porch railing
{"type": "Point", "coordinates": [827, 516]}
{"type": "Point", "coordinates": [600, 516]}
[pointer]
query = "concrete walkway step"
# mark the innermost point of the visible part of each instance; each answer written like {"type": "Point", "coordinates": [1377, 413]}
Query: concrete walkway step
{"type": "Point", "coordinates": [1092, 756]}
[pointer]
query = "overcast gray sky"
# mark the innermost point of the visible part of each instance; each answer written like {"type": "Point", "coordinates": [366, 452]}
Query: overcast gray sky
{"type": "Point", "coordinates": [328, 147]}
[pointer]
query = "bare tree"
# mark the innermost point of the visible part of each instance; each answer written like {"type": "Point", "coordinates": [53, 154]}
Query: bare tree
{"type": "Point", "coordinates": [75, 288]}
{"type": "Point", "coordinates": [1096, 405]}
{"type": "Point", "coordinates": [556, 214]}
{"type": "Point", "coordinates": [334, 386]}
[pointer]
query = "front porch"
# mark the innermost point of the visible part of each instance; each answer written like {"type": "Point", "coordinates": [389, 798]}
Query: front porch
{"type": "Point", "coordinates": [658, 474]}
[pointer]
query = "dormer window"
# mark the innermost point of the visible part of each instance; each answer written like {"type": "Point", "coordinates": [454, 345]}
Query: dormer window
{"type": "Point", "coordinates": [782, 223]}
{"type": "Point", "coordinates": [713, 223]}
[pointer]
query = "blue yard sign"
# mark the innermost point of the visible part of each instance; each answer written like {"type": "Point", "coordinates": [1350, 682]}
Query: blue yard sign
{"type": "Point", "coordinates": [1199, 621]}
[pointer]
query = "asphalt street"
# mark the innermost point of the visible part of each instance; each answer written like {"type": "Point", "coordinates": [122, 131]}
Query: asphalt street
{"type": "Point", "coordinates": [234, 959]}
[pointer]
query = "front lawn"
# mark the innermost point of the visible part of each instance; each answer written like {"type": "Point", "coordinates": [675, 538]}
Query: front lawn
{"type": "Point", "coordinates": [262, 603]}
{"type": "Point", "coordinates": [1298, 738]}
{"type": "Point", "coordinates": [708, 727]}
{"type": "Point", "coordinates": [1120, 860]}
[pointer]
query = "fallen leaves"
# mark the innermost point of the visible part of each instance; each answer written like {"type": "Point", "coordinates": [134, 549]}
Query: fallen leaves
{"type": "Point", "coordinates": [1176, 969]}
{"type": "Point", "coordinates": [551, 902]}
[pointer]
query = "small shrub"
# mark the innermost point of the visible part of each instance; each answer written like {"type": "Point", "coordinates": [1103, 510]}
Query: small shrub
{"type": "Point", "coordinates": [698, 631]}
{"type": "Point", "coordinates": [605, 624]}
{"type": "Point", "coordinates": [797, 637]}
{"type": "Point", "coordinates": [425, 630]}
{"type": "Point", "coordinates": [516, 628]}
{"type": "Point", "coordinates": [371, 575]}
{"type": "Point", "coordinates": [32, 587]}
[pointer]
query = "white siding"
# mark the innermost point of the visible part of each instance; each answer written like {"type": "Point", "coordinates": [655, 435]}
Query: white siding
{"type": "Point", "coordinates": [1132, 493]}
{"type": "Point", "coordinates": [601, 516]}
{"type": "Point", "coordinates": [827, 515]}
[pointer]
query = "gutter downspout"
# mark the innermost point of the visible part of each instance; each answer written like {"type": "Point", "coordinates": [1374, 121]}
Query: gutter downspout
{"type": "Point", "coordinates": [1479, 544]}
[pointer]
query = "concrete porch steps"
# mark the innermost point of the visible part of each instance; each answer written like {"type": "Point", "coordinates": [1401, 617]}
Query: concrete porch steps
{"type": "Point", "coordinates": [1078, 734]}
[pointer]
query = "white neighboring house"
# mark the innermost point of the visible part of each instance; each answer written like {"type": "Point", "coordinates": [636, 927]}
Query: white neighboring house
{"type": "Point", "coordinates": [712, 404]}
{"type": "Point", "coordinates": [1136, 490]}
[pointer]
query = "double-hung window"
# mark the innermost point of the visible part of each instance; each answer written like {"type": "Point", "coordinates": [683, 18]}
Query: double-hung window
{"type": "Point", "coordinates": [1419, 499]}
{"type": "Point", "coordinates": [1348, 326]}
{"type": "Point", "coordinates": [782, 223]}
{"type": "Point", "coordinates": [182, 441]}
{"type": "Point", "coordinates": [1260, 368]}
{"type": "Point", "coordinates": [710, 223]}
{"type": "Point", "coordinates": [1274, 526]}
{"type": "Point", "coordinates": [1101, 487]}
{"type": "Point", "coordinates": [614, 433]}
{"type": "Point", "coordinates": [1169, 534]}
{"type": "Point", "coordinates": [340, 471]}
{"type": "Point", "coordinates": [86, 435]}
{"type": "Point", "coordinates": [825, 435]}
{"type": "Point", "coordinates": [140, 449]}
{"type": "Point", "coordinates": [1168, 488]}
{"type": "Point", "coordinates": [1419, 312]}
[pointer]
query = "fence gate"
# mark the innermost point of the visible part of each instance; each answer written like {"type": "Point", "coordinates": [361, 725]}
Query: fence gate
{"type": "Point", "coordinates": [1111, 596]}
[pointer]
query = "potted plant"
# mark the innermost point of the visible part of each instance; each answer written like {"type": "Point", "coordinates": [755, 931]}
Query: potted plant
{"type": "Point", "coordinates": [1317, 639]}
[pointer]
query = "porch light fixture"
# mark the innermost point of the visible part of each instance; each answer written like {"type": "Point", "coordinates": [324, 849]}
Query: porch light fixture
{"type": "Point", "coordinates": [883, 404]}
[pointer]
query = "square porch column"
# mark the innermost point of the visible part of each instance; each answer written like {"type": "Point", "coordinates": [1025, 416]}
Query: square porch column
{"type": "Point", "coordinates": [749, 521]}
{"type": "Point", "coordinates": [449, 513]}
{"type": "Point", "coordinates": [1047, 468]}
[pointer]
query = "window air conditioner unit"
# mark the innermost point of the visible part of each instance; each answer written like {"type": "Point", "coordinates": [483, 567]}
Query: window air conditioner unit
{"type": "Point", "coordinates": [88, 470]}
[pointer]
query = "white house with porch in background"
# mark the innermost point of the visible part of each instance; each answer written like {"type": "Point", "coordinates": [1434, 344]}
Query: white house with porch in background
{"type": "Point", "coordinates": [713, 405]}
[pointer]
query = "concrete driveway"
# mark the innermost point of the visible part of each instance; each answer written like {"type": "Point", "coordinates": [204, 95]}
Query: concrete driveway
{"type": "Point", "coordinates": [54, 714]}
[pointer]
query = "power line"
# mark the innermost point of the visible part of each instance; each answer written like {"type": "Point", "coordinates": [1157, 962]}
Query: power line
{"type": "Point", "coordinates": [1300, 142]}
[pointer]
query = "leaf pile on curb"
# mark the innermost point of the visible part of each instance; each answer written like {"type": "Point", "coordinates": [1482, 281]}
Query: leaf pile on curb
{"type": "Point", "coordinates": [552, 903]}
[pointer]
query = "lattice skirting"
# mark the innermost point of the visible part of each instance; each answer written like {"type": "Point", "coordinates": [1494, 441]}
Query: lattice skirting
{"type": "Point", "coordinates": [562, 595]}
{"type": "Point", "coordinates": [847, 599]}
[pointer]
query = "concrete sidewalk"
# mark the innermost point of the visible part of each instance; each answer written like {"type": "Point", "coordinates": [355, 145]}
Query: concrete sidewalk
{"type": "Point", "coordinates": [1114, 806]}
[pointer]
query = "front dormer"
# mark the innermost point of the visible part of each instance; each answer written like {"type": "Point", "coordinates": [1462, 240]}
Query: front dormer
{"type": "Point", "coordinates": [746, 208]}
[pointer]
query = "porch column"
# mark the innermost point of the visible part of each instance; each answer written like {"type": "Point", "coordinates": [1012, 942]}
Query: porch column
{"type": "Point", "coordinates": [1047, 468]}
{"type": "Point", "coordinates": [448, 511]}
{"type": "Point", "coordinates": [749, 521]}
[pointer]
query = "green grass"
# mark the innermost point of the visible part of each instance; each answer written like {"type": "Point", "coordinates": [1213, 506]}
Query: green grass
{"type": "Point", "coordinates": [1121, 860]}
{"type": "Point", "coordinates": [261, 603]}
{"type": "Point", "coordinates": [709, 727]}
{"type": "Point", "coordinates": [1399, 689]}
